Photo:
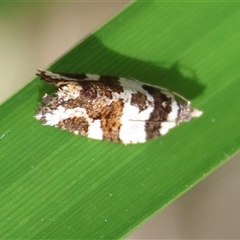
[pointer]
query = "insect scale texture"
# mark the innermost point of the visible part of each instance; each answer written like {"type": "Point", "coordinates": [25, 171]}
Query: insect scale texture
{"type": "Point", "coordinates": [111, 108]}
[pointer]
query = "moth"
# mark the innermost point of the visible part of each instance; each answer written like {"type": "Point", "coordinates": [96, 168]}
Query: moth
{"type": "Point", "coordinates": [111, 108]}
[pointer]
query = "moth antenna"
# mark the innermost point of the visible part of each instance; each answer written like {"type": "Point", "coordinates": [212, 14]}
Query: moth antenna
{"type": "Point", "coordinates": [165, 89]}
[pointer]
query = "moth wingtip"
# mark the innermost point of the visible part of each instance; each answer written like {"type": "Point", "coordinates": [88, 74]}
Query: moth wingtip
{"type": "Point", "coordinates": [45, 75]}
{"type": "Point", "coordinates": [40, 73]}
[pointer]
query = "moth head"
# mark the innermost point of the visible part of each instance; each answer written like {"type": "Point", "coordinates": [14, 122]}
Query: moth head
{"type": "Point", "coordinates": [187, 112]}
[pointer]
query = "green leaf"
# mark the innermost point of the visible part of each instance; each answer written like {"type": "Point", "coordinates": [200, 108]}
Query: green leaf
{"type": "Point", "coordinates": [58, 185]}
